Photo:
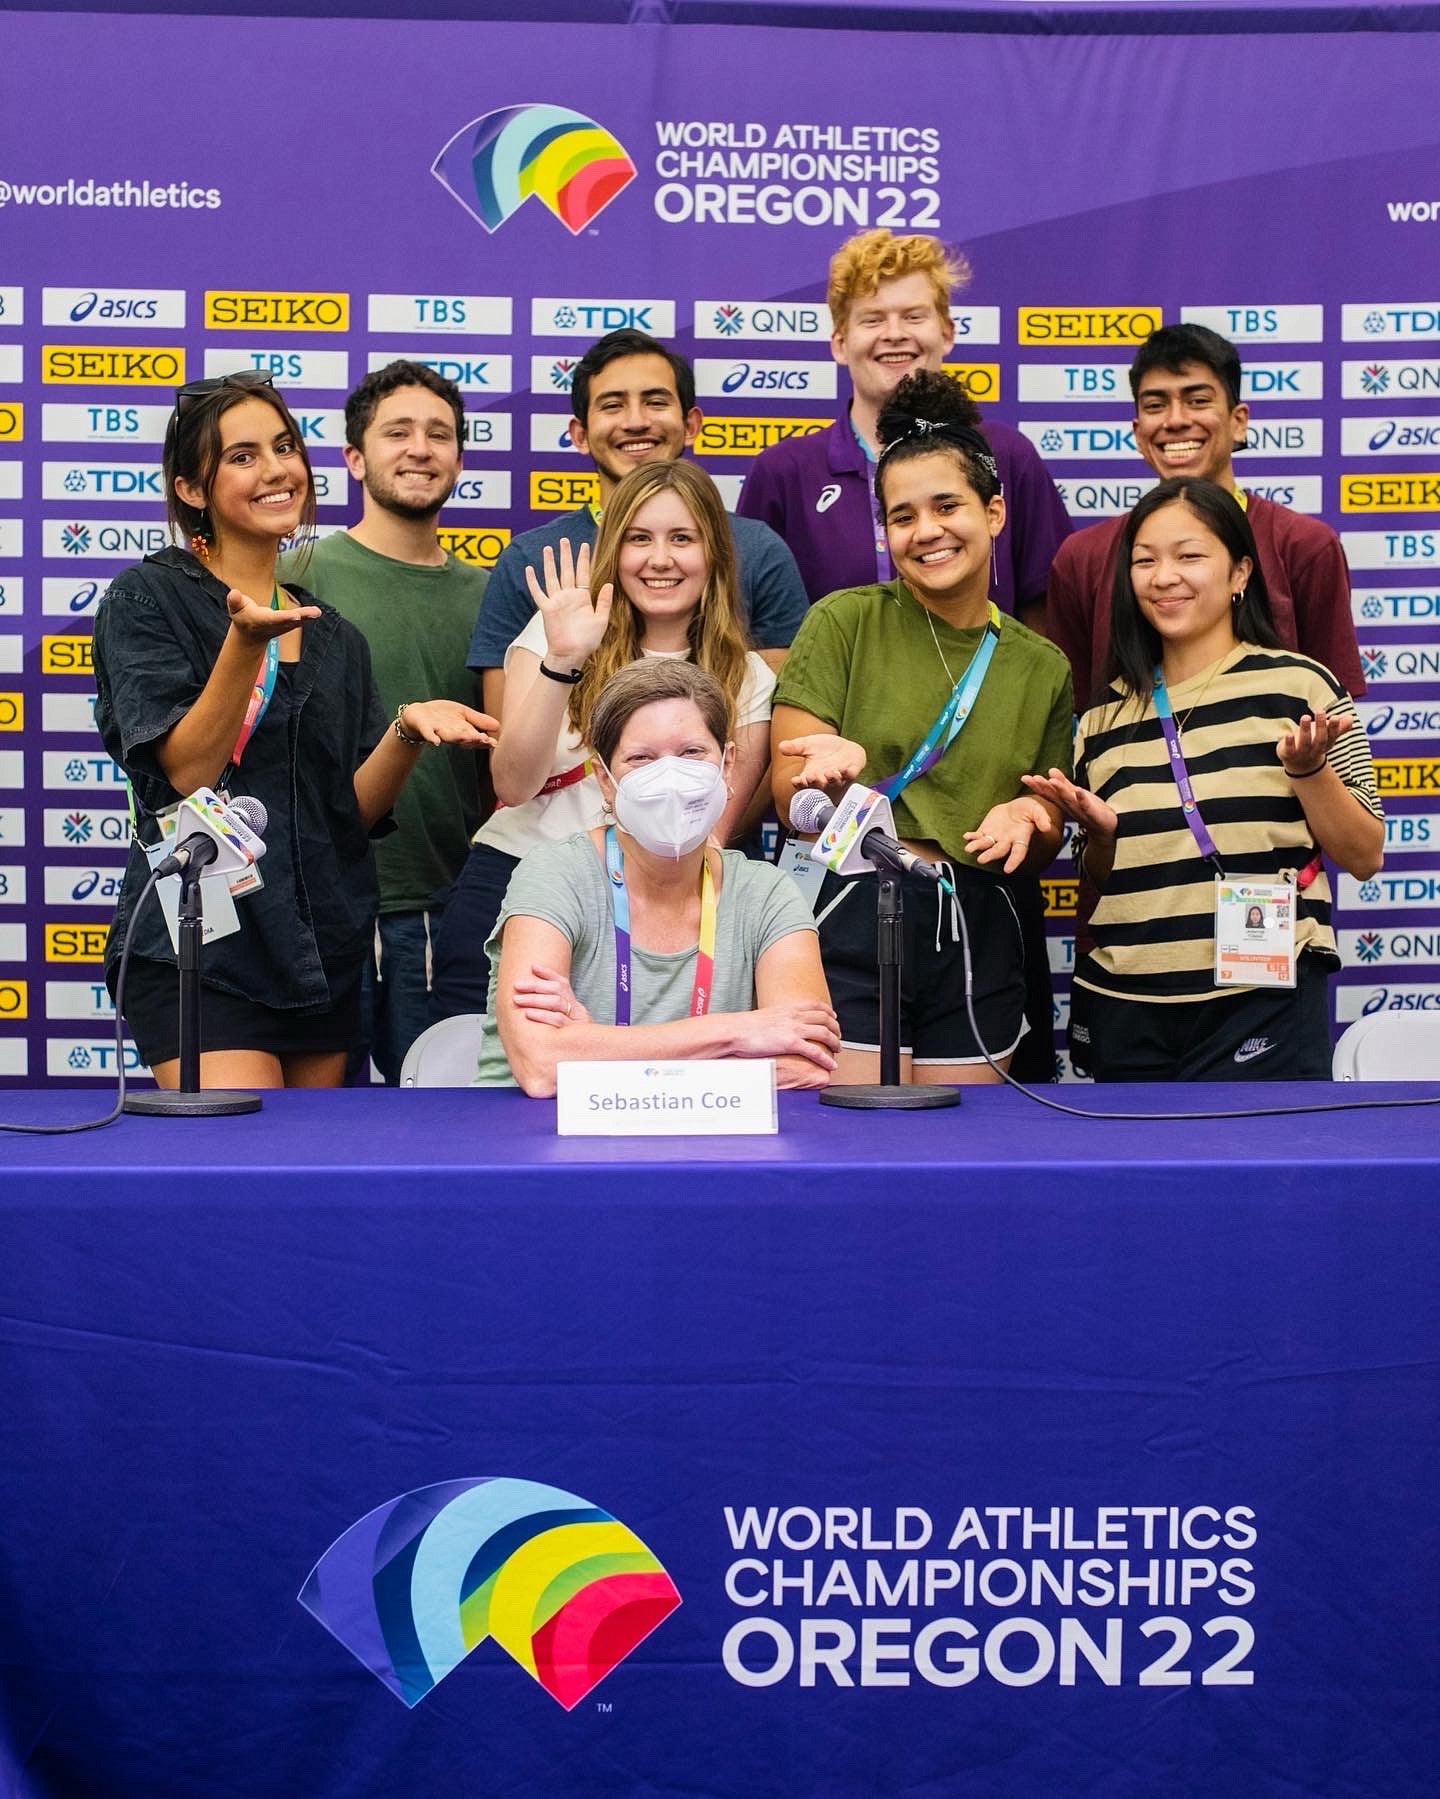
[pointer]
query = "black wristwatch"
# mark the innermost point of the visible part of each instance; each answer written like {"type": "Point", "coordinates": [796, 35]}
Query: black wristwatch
{"type": "Point", "coordinates": [573, 679]}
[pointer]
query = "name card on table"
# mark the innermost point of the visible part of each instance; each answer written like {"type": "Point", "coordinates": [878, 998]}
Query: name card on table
{"type": "Point", "coordinates": [666, 1099]}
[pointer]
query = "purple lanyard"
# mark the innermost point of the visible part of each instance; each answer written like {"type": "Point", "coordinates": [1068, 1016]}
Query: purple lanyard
{"type": "Point", "coordinates": [1204, 842]}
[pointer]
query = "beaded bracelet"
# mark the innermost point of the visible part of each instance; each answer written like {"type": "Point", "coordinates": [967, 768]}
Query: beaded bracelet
{"type": "Point", "coordinates": [412, 743]}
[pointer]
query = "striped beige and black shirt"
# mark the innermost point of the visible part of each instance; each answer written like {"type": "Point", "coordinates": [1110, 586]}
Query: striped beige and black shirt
{"type": "Point", "coordinates": [1154, 927]}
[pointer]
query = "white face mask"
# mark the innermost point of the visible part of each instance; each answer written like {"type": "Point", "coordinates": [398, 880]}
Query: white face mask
{"type": "Point", "coordinates": [672, 804]}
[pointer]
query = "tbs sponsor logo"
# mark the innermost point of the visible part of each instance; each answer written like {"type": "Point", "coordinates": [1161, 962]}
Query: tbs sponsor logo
{"type": "Point", "coordinates": [815, 380]}
{"type": "Point", "coordinates": [1389, 324]}
{"type": "Point", "coordinates": [83, 1000]}
{"type": "Point", "coordinates": [294, 368]}
{"type": "Point", "coordinates": [1379, 379]}
{"type": "Point", "coordinates": [1045, 383]}
{"type": "Point", "coordinates": [158, 307]}
{"type": "Point", "coordinates": [101, 481]}
{"type": "Point", "coordinates": [60, 423]}
{"type": "Point", "coordinates": [590, 319]}
{"type": "Point", "coordinates": [1411, 831]}
{"type": "Point", "coordinates": [767, 319]}
{"type": "Point", "coordinates": [1410, 436]}
{"type": "Point", "coordinates": [471, 374]}
{"type": "Point", "coordinates": [1391, 549]}
{"type": "Point", "coordinates": [1256, 323]}
{"type": "Point", "coordinates": [483, 315]}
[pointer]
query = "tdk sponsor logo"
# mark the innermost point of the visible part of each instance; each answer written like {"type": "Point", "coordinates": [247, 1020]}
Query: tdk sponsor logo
{"type": "Point", "coordinates": [76, 773]}
{"type": "Point", "coordinates": [593, 318]}
{"type": "Point", "coordinates": [1284, 437]}
{"type": "Point", "coordinates": [119, 306]}
{"type": "Point", "coordinates": [292, 368]}
{"type": "Point", "coordinates": [1372, 946]}
{"type": "Point", "coordinates": [1255, 323]}
{"type": "Point", "coordinates": [1059, 441]}
{"type": "Point", "coordinates": [1394, 605]}
{"type": "Point", "coordinates": [1393, 663]}
{"type": "Point", "coordinates": [67, 1056]}
{"type": "Point", "coordinates": [1047, 382]}
{"type": "Point", "coordinates": [102, 481]}
{"type": "Point", "coordinates": [1391, 549]}
{"type": "Point", "coordinates": [1375, 380]}
{"type": "Point", "coordinates": [1400, 718]}
{"type": "Point", "coordinates": [1389, 324]}
{"type": "Point", "coordinates": [60, 423]}
{"type": "Point", "coordinates": [482, 315]}
{"type": "Point", "coordinates": [1412, 436]}
{"type": "Point", "coordinates": [102, 540]}
{"type": "Point", "coordinates": [1282, 381]}
{"type": "Point", "coordinates": [1389, 892]}
{"type": "Point", "coordinates": [471, 374]}
{"type": "Point", "coordinates": [1409, 996]}
{"type": "Point", "coordinates": [813, 379]}
{"type": "Point", "coordinates": [1101, 499]}
{"type": "Point", "coordinates": [488, 491]}
{"type": "Point", "coordinates": [776, 320]}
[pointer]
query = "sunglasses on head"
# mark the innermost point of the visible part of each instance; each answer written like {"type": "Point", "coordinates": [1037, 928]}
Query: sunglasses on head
{"type": "Point", "coordinates": [245, 379]}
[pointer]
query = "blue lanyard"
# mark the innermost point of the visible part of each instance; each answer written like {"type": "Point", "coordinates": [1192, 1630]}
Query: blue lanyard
{"type": "Point", "coordinates": [884, 567]}
{"type": "Point", "coordinates": [954, 714]}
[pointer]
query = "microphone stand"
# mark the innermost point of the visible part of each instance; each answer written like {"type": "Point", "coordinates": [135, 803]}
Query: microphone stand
{"type": "Point", "coordinates": [189, 1100]}
{"type": "Point", "coordinates": [888, 1094]}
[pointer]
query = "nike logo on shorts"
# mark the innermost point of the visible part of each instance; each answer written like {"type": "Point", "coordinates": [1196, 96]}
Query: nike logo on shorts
{"type": "Point", "coordinates": [1253, 1047]}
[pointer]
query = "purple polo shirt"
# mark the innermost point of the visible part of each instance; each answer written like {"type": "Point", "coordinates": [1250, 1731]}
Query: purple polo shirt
{"type": "Point", "coordinates": [814, 492]}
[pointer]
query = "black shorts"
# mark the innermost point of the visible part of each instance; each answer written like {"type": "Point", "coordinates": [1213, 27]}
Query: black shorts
{"type": "Point", "coordinates": [933, 1022]}
{"type": "Point", "coordinates": [1260, 1034]}
{"type": "Point", "coordinates": [152, 1013]}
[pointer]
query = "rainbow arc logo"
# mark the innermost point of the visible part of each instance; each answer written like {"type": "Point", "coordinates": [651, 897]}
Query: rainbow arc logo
{"type": "Point", "coordinates": [567, 1590]}
{"type": "Point", "coordinates": [571, 163]}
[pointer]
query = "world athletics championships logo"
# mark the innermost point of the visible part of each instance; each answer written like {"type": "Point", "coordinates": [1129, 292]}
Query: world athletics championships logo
{"type": "Point", "coordinates": [494, 164]}
{"type": "Point", "coordinates": [563, 1587]}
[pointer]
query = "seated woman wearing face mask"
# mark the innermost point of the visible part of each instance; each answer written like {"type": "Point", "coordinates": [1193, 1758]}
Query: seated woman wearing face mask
{"type": "Point", "coordinates": [640, 938]}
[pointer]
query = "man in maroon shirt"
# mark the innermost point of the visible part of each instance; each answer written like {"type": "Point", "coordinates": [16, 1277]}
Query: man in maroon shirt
{"type": "Point", "coordinates": [1190, 420]}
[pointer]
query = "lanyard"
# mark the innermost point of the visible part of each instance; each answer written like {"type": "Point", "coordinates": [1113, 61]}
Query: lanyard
{"type": "Point", "coordinates": [620, 906]}
{"type": "Point", "coordinates": [884, 568]}
{"type": "Point", "coordinates": [557, 783]}
{"type": "Point", "coordinates": [260, 694]}
{"type": "Point", "coordinates": [953, 714]}
{"type": "Point", "coordinates": [1199, 830]}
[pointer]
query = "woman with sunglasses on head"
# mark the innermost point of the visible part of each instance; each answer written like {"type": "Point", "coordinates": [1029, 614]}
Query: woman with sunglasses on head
{"type": "Point", "coordinates": [1210, 775]}
{"type": "Point", "coordinates": [661, 584]}
{"type": "Point", "coordinates": [920, 687]}
{"type": "Point", "coordinates": [210, 674]}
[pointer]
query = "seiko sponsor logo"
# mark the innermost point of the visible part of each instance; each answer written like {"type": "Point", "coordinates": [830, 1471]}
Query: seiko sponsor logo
{"type": "Point", "coordinates": [1378, 379]}
{"type": "Point", "coordinates": [477, 547]}
{"type": "Point", "coordinates": [1412, 436]}
{"type": "Point", "coordinates": [1047, 382]}
{"type": "Point", "coordinates": [87, 827]}
{"type": "Point", "coordinates": [63, 423]}
{"type": "Point", "coordinates": [1390, 492]}
{"type": "Point", "coordinates": [589, 318]}
{"type": "Point", "coordinates": [1284, 437]}
{"type": "Point", "coordinates": [1101, 499]}
{"type": "Point", "coordinates": [12, 711]}
{"type": "Point", "coordinates": [1391, 549]}
{"type": "Point", "coordinates": [486, 492]}
{"type": "Point", "coordinates": [1400, 718]}
{"type": "Point", "coordinates": [79, 481]}
{"type": "Point", "coordinates": [290, 368]}
{"type": "Point", "coordinates": [12, 422]}
{"type": "Point", "coordinates": [779, 321]}
{"type": "Point", "coordinates": [78, 1000]}
{"type": "Point", "coordinates": [471, 374]}
{"type": "Point", "coordinates": [1362, 1002]}
{"type": "Point", "coordinates": [14, 1000]}
{"type": "Point", "coordinates": [562, 490]}
{"type": "Point", "coordinates": [155, 307]}
{"type": "Point", "coordinates": [1407, 774]}
{"type": "Point", "coordinates": [726, 436]}
{"type": "Point", "coordinates": [481, 315]}
{"type": "Point", "coordinates": [814, 380]}
{"type": "Point", "coordinates": [112, 365]}
{"type": "Point", "coordinates": [1388, 323]}
{"type": "Point", "coordinates": [251, 310]}
{"type": "Point", "coordinates": [1255, 323]}
{"type": "Point", "coordinates": [1371, 947]}
{"type": "Point", "coordinates": [77, 772]}
{"type": "Point", "coordinates": [101, 540]}
{"type": "Point", "coordinates": [1087, 324]}
{"type": "Point", "coordinates": [1060, 441]}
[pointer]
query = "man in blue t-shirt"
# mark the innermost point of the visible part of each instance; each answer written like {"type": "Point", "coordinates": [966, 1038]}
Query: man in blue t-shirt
{"type": "Point", "coordinates": [633, 402]}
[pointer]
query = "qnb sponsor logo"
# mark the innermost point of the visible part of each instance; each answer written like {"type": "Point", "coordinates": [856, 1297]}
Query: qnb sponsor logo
{"type": "Point", "coordinates": [1412, 436]}
{"type": "Point", "coordinates": [569, 162]}
{"type": "Point", "coordinates": [1390, 492]}
{"type": "Point", "coordinates": [12, 596]}
{"type": "Point", "coordinates": [780, 321]}
{"type": "Point", "coordinates": [1282, 381]}
{"type": "Point", "coordinates": [1101, 499]}
{"type": "Point", "coordinates": [158, 307]}
{"type": "Point", "coordinates": [253, 310]}
{"type": "Point", "coordinates": [86, 827]}
{"type": "Point", "coordinates": [1386, 892]}
{"type": "Point", "coordinates": [293, 368]}
{"type": "Point", "coordinates": [483, 315]}
{"type": "Point", "coordinates": [552, 374]}
{"type": "Point", "coordinates": [1059, 441]}
{"type": "Point", "coordinates": [1379, 378]}
{"type": "Point", "coordinates": [1256, 323]}
{"type": "Point", "coordinates": [1389, 323]}
{"type": "Point", "coordinates": [89, 1056]}
{"type": "Point", "coordinates": [471, 374]}
{"type": "Point", "coordinates": [1284, 437]}
{"type": "Point", "coordinates": [12, 884]}
{"type": "Point", "coordinates": [1399, 718]}
{"type": "Point", "coordinates": [1087, 324]}
{"type": "Point", "coordinates": [487, 431]}
{"type": "Point", "coordinates": [1352, 1002]}
{"type": "Point", "coordinates": [1372, 947]}
{"type": "Point", "coordinates": [814, 380]}
{"type": "Point", "coordinates": [1042, 383]}
{"type": "Point", "coordinates": [102, 540]}
{"type": "Point", "coordinates": [1393, 663]}
{"type": "Point", "coordinates": [12, 307]}
{"type": "Point", "coordinates": [101, 481]}
{"type": "Point", "coordinates": [594, 318]}
{"type": "Point", "coordinates": [1391, 549]}
{"type": "Point", "coordinates": [112, 365]}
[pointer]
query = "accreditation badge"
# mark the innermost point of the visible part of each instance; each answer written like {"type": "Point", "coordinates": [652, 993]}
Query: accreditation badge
{"type": "Point", "coordinates": [1254, 933]}
{"type": "Point", "coordinates": [808, 876]}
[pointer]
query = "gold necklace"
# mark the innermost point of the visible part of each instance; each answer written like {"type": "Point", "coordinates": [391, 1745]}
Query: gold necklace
{"type": "Point", "coordinates": [1180, 723]}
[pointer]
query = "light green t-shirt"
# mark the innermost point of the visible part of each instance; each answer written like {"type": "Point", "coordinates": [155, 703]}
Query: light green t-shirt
{"type": "Point", "coordinates": [417, 622]}
{"type": "Point", "coordinates": [866, 663]}
{"type": "Point", "coordinates": [565, 884]}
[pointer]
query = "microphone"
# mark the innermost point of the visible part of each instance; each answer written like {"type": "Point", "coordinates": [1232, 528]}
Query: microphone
{"type": "Point", "coordinates": [225, 837]}
{"type": "Point", "coordinates": [810, 811]}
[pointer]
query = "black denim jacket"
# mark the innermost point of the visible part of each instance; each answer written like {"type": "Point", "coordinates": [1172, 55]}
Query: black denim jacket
{"type": "Point", "coordinates": [158, 631]}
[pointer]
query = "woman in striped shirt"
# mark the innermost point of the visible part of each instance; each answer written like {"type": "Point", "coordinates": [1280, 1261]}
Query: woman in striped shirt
{"type": "Point", "coordinates": [1203, 699]}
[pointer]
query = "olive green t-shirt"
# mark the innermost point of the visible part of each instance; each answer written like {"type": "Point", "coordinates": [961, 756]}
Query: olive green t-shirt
{"type": "Point", "coordinates": [866, 662]}
{"type": "Point", "coordinates": [417, 621]}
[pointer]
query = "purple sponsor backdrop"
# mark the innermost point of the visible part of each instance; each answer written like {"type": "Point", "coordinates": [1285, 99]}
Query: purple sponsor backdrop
{"type": "Point", "coordinates": [1275, 182]}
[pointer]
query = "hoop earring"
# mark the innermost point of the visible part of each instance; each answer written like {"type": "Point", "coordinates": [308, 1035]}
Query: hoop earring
{"type": "Point", "coordinates": [1236, 598]}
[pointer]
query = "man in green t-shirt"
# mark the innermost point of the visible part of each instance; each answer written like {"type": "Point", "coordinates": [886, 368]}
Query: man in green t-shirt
{"type": "Point", "coordinates": [416, 605]}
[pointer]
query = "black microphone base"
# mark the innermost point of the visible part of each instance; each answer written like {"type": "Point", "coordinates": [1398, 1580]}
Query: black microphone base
{"type": "Point", "coordinates": [875, 1096]}
{"type": "Point", "coordinates": [213, 1102]}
